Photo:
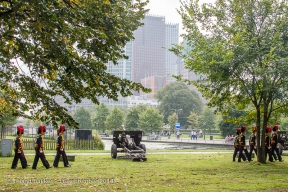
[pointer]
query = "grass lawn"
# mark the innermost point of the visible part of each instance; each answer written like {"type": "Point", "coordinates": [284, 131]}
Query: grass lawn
{"type": "Point", "coordinates": [161, 172]}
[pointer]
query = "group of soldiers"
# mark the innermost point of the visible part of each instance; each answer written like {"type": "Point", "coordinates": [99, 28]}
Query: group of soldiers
{"type": "Point", "coordinates": [271, 144]}
{"type": "Point", "coordinates": [39, 149]}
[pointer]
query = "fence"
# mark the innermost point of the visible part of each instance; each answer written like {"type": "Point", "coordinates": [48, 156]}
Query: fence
{"type": "Point", "coordinates": [70, 144]}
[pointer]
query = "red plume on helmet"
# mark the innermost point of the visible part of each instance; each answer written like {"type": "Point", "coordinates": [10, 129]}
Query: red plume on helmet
{"type": "Point", "coordinates": [275, 128]}
{"type": "Point", "coordinates": [62, 128]}
{"type": "Point", "coordinates": [238, 130]}
{"type": "Point", "coordinates": [254, 128]}
{"type": "Point", "coordinates": [20, 130]}
{"type": "Point", "coordinates": [243, 128]}
{"type": "Point", "coordinates": [41, 128]}
{"type": "Point", "coordinates": [268, 129]}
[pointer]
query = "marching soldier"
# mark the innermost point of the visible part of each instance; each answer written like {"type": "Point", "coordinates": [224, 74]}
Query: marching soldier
{"type": "Point", "coordinates": [252, 142]}
{"type": "Point", "coordinates": [242, 145]}
{"type": "Point", "coordinates": [275, 145]}
{"type": "Point", "coordinates": [236, 143]}
{"type": "Point", "coordinates": [268, 143]}
{"type": "Point", "coordinates": [60, 148]}
{"type": "Point", "coordinates": [39, 149]}
{"type": "Point", "coordinates": [18, 148]}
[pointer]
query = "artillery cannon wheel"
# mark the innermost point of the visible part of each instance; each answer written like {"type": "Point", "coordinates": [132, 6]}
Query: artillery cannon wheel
{"type": "Point", "coordinates": [114, 151]}
{"type": "Point", "coordinates": [142, 146]}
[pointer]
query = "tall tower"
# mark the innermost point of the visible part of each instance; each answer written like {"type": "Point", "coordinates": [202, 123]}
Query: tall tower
{"type": "Point", "coordinates": [171, 39]}
{"type": "Point", "coordinates": [148, 49]}
{"type": "Point", "coordinates": [123, 67]}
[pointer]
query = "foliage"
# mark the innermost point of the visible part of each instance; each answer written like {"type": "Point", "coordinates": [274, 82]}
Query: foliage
{"type": "Point", "coordinates": [193, 119]}
{"type": "Point", "coordinates": [99, 145]}
{"type": "Point", "coordinates": [207, 120]}
{"type": "Point", "coordinates": [239, 49]}
{"type": "Point", "coordinates": [172, 120]}
{"type": "Point", "coordinates": [101, 115]}
{"type": "Point", "coordinates": [82, 116]}
{"type": "Point", "coordinates": [60, 48]}
{"type": "Point", "coordinates": [210, 171]}
{"type": "Point", "coordinates": [132, 118]}
{"type": "Point", "coordinates": [115, 119]}
{"type": "Point", "coordinates": [230, 122]}
{"type": "Point", "coordinates": [175, 96]}
{"type": "Point", "coordinates": [151, 119]}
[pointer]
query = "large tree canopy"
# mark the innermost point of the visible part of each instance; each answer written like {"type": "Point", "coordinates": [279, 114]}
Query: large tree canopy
{"type": "Point", "coordinates": [56, 47]}
{"type": "Point", "coordinates": [240, 48]}
{"type": "Point", "coordinates": [176, 97]}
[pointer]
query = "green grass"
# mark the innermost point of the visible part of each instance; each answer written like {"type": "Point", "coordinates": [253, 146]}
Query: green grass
{"type": "Point", "coordinates": [161, 172]}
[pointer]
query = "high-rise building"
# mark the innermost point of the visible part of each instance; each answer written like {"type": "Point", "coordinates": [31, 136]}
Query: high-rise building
{"type": "Point", "coordinates": [148, 49]}
{"type": "Point", "coordinates": [123, 67]}
{"type": "Point", "coordinates": [171, 39]}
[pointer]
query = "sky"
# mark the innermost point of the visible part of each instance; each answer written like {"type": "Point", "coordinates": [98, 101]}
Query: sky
{"type": "Point", "coordinates": [168, 8]}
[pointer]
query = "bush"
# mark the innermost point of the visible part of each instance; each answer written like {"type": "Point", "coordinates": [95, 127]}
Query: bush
{"type": "Point", "coordinates": [98, 142]}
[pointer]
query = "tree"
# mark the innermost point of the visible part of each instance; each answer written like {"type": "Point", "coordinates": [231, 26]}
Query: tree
{"type": "Point", "coordinates": [6, 116]}
{"type": "Point", "coordinates": [82, 116]}
{"type": "Point", "coordinates": [192, 119]}
{"type": "Point", "coordinates": [151, 119]}
{"type": "Point", "coordinates": [207, 120]}
{"type": "Point", "coordinates": [240, 50]}
{"type": "Point", "coordinates": [101, 115]}
{"type": "Point", "coordinates": [176, 96]}
{"type": "Point", "coordinates": [114, 120]}
{"type": "Point", "coordinates": [231, 121]}
{"type": "Point", "coordinates": [60, 48]}
{"type": "Point", "coordinates": [132, 118]}
{"type": "Point", "coordinates": [172, 120]}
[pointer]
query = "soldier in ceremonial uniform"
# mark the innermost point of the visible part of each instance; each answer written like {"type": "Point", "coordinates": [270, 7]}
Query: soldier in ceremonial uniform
{"type": "Point", "coordinates": [60, 148]}
{"type": "Point", "coordinates": [236, 143]}
{"type": "Point", "coordinates": [268, 143]}
{"type": "Point", "coordinates": [252, 142]}
{"type": "Point", "coordinates": [275, 145]}
{"type": "Point", "coordinates": [18, 148]}
{"type": "Point", "coordinates": [242, 145]}
{"type": "Point", "coordinates": [39, 148]}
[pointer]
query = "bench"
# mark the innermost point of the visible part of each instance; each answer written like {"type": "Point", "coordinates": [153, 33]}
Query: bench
{"type": "Point", "coordinates": [69, 157]}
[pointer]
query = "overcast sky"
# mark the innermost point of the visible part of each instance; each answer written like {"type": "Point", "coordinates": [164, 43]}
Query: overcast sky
{"type": "Point", "coordinates": [168, 8]}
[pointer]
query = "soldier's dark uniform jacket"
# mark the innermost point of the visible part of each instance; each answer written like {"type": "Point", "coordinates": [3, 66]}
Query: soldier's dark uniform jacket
{"type": "Point", "coordinates": [252, 140]}
{"type": "Point", "coordinates": [39, 145]}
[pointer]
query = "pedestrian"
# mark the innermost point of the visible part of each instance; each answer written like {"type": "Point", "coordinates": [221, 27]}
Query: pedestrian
{"type": "Point", "coordinates": [275, 144]}
{"type": "Point", "coordinates": [196, 135]}
{"type": "Point", "coordinates": [169, 134]}
{"type": "Point", "coordinates": [252, 142]}
{"type": "Point", "coordinates": [236, 144]}
{"type": "Point", "coordinates": [39, 149]}
{"type": "Point", "coordinates": [18, 149]}
{"type": "Point", "coordinates": [60, 148]}
{"type": "Point", "coordinates": [191, 134]}
{"type": "Point", "coordinates": [268, 143]}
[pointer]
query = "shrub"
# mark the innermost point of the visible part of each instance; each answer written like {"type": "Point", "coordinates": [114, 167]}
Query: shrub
{"type": "Point", "coordinates": [98, 142]}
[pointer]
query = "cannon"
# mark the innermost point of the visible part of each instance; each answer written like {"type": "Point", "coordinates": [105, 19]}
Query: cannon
{"type": "Point", "coordinates": [128, 142]}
